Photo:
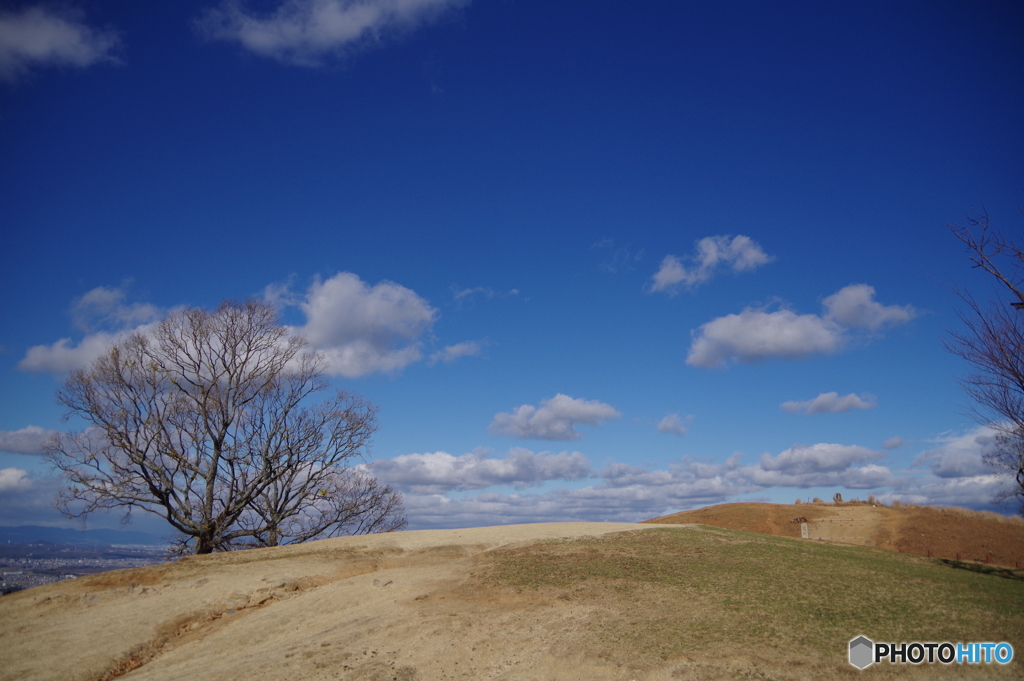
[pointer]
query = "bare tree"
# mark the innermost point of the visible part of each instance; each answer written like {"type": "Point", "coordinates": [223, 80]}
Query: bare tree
{"type": "Point", "coordinates": [346, 501]}
{"type": "Point", "coordinates": [207, 423]}
{"type": "Point", "coordinates": [993, 344]}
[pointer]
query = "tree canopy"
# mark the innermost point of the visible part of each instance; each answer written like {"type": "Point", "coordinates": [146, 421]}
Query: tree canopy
{"type": "Point", "coordinates": [209, 421]}
{"type": "Point", "coordinates": [992, 343]}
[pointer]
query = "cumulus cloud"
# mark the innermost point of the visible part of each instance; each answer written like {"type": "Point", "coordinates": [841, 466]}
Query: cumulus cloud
{"type": "Point", "coordinates": [442, 512]}
{"type": "Point", "coordinates": [682, 478]}
{"type": "Point", "coordinates": [976, 491]}
{"type": "Point", "coordinates": [305, 32]}
{"type": "Point", "coordinates": [894, 442]}
{"type": "Point", "coordinates": [819, 458]}
{"type": "Point", "coordinates": [755, 334]}
{"type": "Point", "coordinates": [739, 253]}
{"type": "Point", "coordinates": [439, 472]}
{"type": "Point", "coordinates": [830, 403]}
{"type": "Point", "coordinates": [556, 419]}
{"type": "Point", "coordinates": [956, 473]}
{"type": "Point", "coordinates": [960, 456]}
{"type": "Point", "coordinates": [454, 352]}
{"type": "Point", "coordinates": [627, 494]}
{"type": "Point", "coordinates": [820, 465]}
{"type": "Point", "coordinates": [27, 440]}
{"type": "Point", "coordinates": [106, 317]}
{"type": "Point", "coordinates": [361, 329]}
{"type": "Point", "coordinates": [64, 355]}
{"type": "Point", "coordinates": [862, 477]}
{"type": "Point", "coordinates": [672, 425]}
{"type": "Point", "coordinates": [854, 306]}
{"type": "Point", "coordinates": [14, 480]}
{"type": "Point", "coordinates": [37, 37]}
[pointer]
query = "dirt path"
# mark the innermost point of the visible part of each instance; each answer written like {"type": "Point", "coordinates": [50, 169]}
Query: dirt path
{"type": "Point", "coordinates": [859, 525]}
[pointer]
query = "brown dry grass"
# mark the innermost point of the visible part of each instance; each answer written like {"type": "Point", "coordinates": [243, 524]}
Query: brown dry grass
{"type": "Point", "coordinates": [945, 532]}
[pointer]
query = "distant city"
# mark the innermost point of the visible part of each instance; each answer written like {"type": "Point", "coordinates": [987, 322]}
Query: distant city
{"type": "Point", "coordinates": [33, 556]}
{"type": "Point", "coordinates": [27, 565]}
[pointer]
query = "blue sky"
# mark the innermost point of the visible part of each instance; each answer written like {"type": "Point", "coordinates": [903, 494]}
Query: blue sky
{"type": "Point", "coordinates": [592, 260]}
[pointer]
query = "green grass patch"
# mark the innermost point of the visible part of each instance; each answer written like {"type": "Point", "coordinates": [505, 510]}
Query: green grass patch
{"type": "Point", "coordinates": [683, 590]}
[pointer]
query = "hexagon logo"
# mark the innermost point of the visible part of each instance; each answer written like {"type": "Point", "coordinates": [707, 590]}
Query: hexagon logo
{"type": "Point", "coordinates": [862, 652]}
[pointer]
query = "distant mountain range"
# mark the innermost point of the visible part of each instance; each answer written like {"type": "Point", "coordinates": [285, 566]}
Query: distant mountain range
{"type": "Point", "coordinates": [62, 535]}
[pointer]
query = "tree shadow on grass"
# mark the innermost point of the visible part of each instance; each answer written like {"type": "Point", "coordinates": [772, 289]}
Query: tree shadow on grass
{"type": "Point", "coordinates": [984, 569]}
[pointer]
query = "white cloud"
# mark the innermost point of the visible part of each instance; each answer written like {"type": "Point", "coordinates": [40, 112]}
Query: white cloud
{"type": "Point", "coordinates": [822, 457]}
{"type": "Point", "coordinates": [673, 425]}
{"type": "Point", "coordinates": [37, 37]}
{"type": "Point", "coordinates": [871, 476]}
{"type": "Point", "coordinates": [106, 306]}
{"type": "Point", "coordinates": [362, 329]}
{"type": "Point", "coordinates": [755, 335]}
{"type": "Point", "coordinates": [960, 456]}
{"type": "Point", "coordinates": [100, 307]}
{"type": "Point", "coordinates": [27, 440]}
{"type": "Point", "coordinates": [831, 403]}
{"type": "Point", "coordinates": [305, 32]}
{"type": "Point", "coordinates": [682, 479]}
{"type": "Point", "coordinates": [820, 465]}
{"type": "Point", "coordinates": [628, 494]}
{"type": "Point", "coordinates": [854, 306]}
{"type": "Point", "coordinates": [14, 480]}
{"type": "Point", "coordinates": [556, 419]}
{"type": "Point", "coordinates": [63, 356]}
{"type": "Point", "coordinates": [439, 472]}
{"type": "Point", "coordinates": [461, 295]}
{"type": "Point", "coordinates": [739, 253]}
{"type": "Point", "coordinates": [976, 491]}
{"type": "Point", "coordinates": [465, 297]}
{"type": "Point", "coordinates": [27, 499]}
{"type": "Point", "coordinates": [957, 475]}
{"type": "Point", "coordinates": [894, 442]}
{"type": "Point", "coordinates": [453, 352]}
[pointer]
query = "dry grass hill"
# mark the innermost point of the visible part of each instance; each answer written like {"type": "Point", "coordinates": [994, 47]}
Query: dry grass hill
{"type": "Point", "coordinates": [739, 595]}
{"type": "Point", "coordinates": [919, 530]}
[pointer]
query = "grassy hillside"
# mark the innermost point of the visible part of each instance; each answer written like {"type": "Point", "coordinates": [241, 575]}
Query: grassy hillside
{"type": "Point", "coordinates": [594, 601]}
{"type": "Point", "coordinates": [775, 604]}
{"type": "Point", "coordinates": [944, 532]}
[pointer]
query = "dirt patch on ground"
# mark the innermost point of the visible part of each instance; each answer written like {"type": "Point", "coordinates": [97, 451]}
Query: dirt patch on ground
{"type": "Point", "coordinates": [951, 533]}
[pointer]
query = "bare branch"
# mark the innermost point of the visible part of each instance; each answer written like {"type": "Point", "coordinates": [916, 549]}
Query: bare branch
{"type": "Point", "coordinates": [206, 423]}
{"type": "Point", "coordinates": [984, 246]}
{"type": "Point", "coordinates": [993, 345]}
